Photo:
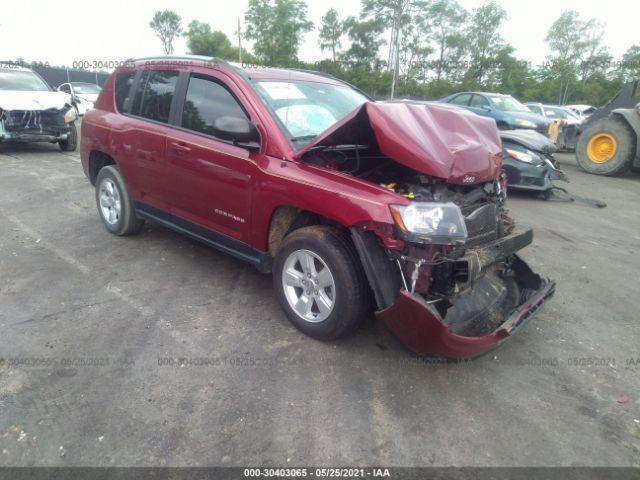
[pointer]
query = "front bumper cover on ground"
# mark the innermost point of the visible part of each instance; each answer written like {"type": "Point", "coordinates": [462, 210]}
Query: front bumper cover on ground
{"type": "Point", "coordinates": [493, 306]}
{"type": "Point", "coordinates": [420, 326]}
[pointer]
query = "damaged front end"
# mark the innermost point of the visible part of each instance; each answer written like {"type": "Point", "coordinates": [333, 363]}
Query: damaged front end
{"type": "Point", "coordinates": [456, 307]}
{"type": "Point", "coordinates": [50, 125]}
{"type": "Point", "coordinates": [457, 297]}
{"type": "Point", "coordinates": [446, 275]}
{"type": "Point", "coordinates": [529, 162]}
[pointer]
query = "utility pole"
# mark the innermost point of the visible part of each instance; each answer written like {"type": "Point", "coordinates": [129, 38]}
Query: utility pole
{"type": "Point", "coordinates": [239, 42]}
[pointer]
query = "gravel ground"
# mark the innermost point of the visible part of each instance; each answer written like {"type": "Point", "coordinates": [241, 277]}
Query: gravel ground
{"type": "Point", "coordinates": [92, 325]}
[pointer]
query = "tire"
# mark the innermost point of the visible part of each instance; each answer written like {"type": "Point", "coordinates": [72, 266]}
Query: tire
{"type": "Point", "coordinates": [625, 148]}
{"type": "Point", "coordinates": [114, 204]}
{"type": "Point", "coordinates": [350, 295]}
{"type": "Point", "coordinates": [71, 143]}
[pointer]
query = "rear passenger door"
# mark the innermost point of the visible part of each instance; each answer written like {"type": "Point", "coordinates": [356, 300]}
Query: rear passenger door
{"type": "Point", "coordinates": [211, 179]}
{"type": "Point", "coordinates": [149, 112]}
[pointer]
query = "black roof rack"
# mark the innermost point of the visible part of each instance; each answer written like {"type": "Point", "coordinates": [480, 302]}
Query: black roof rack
{"type": "Point", "coordinates": [199, 58]}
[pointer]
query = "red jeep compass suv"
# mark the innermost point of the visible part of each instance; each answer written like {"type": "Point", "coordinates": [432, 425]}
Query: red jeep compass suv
{"type": "Point", "coordinates": [340, 197]}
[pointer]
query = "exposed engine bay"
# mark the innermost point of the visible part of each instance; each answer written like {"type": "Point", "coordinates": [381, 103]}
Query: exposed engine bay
{"type": "Point", "coordinates": [445, 272]}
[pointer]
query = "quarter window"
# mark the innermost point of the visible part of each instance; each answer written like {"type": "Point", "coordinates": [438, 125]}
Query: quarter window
{"type": "Point", "coordinates": [155, 94]}
{"type": "Point", "coordinates": [124, 81]}
{"type": "Point", "coordinates": [206, 101]}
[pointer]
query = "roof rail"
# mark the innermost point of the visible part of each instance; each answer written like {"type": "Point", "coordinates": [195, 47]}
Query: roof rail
{"type": "Point", "coordinates": [199, 58]}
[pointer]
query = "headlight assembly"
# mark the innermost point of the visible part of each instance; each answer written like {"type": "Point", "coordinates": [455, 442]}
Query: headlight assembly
{"type": "Point", "coordinates": [527, 157]}
{"type": "Point", "coordinates": [71, 115]}
{"type": "Point", "coordinates": [525, 123]}
{"type": "Point", "coordinates": [430, 222]}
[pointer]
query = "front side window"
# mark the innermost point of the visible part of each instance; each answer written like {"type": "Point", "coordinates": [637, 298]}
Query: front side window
{"type": "Point", "coordinates": [155, 94]}
{"type": "Point", "coordinates": [306, 109]}
{"type": "Point", "coordinates": [535, 109]}
{"type": "Point", "coordinates": [479, 101]}
{"type": "Point", "coordinates": [206, 101]}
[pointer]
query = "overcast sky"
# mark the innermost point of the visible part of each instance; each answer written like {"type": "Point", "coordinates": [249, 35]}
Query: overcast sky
{"type": "Point", "coordinates": [115, 30]}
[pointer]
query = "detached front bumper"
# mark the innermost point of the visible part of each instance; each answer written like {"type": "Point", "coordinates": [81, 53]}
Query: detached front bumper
{"type": "Point", "coordinates": [422, 329]}
{"type": "Point", "coordinates": [493, 306]}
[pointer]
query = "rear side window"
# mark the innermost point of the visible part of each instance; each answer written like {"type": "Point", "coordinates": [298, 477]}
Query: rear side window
{"type": "Point", "coordinates": [155, 94]}
{"type": "Point", "coordinates": [207, 100]}
{"type": "Point", "coordinates": [124, 81]}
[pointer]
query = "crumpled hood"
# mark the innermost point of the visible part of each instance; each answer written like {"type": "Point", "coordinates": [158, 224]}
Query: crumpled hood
{"type": "Point", "coordinates": [455, 145]}
{"type": "Point", "coordinates": [18, 100]}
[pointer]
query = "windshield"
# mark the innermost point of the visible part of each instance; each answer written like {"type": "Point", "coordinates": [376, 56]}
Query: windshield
{"type": "Point", "coordinates": [508, 104]}
{"type": "Point", "coordinates": [85, 88]}
{"type": "Point", "coordinates": [307, 109]}
{"type": "Point", "coordinates": [22, 81]}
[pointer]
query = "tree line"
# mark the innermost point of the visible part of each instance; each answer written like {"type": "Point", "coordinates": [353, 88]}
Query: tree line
{"type": "Point", "coordinates": [432, 48]}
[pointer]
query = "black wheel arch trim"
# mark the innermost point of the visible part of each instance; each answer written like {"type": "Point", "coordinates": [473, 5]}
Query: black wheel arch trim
{"type": "Point", "coordinates": [380, 270]}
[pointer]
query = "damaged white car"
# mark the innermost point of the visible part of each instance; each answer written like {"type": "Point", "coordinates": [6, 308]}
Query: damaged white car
{"type": "Point", "coordinates": [30, 111]}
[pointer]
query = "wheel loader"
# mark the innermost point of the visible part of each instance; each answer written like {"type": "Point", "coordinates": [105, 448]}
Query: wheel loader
{"type": "Point", "coordinates": [609, 141]}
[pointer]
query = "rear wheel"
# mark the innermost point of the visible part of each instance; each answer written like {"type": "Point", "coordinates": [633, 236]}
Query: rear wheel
{"type": "Point", "coordinates": [320, 282]}
{"type": "Point", "coordinates": [606, 147]}
{"type": "Point", "coordinates": [114, 205]}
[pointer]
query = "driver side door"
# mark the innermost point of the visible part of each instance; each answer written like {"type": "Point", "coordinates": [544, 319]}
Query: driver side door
{"type": "Point", "coordinates": [210, 180]}
{"type": "Point", "coordinates": [480, 105]}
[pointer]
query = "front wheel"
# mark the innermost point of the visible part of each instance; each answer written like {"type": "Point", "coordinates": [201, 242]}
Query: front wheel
{"type": "Point", "coordinates": [320, 282]}
{"type": "Point", "coordinates": [606, 147]}
{"type": "Point", "coordinates": [71, 143]}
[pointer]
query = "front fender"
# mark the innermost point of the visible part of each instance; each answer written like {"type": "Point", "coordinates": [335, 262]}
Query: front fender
{"type": "Point", "coordinates": [345, 200]}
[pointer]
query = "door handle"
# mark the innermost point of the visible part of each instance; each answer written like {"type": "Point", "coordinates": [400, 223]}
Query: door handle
{"type": "Point", "coordinates": [180, 147]}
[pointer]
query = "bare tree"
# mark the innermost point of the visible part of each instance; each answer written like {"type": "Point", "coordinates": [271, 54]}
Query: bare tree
{"type": "Point", "coordinates": [166, 24]}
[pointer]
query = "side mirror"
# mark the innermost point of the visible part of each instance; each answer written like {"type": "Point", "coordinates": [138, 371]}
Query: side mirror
{"type": "Point", "coordinates": [238, 130]}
